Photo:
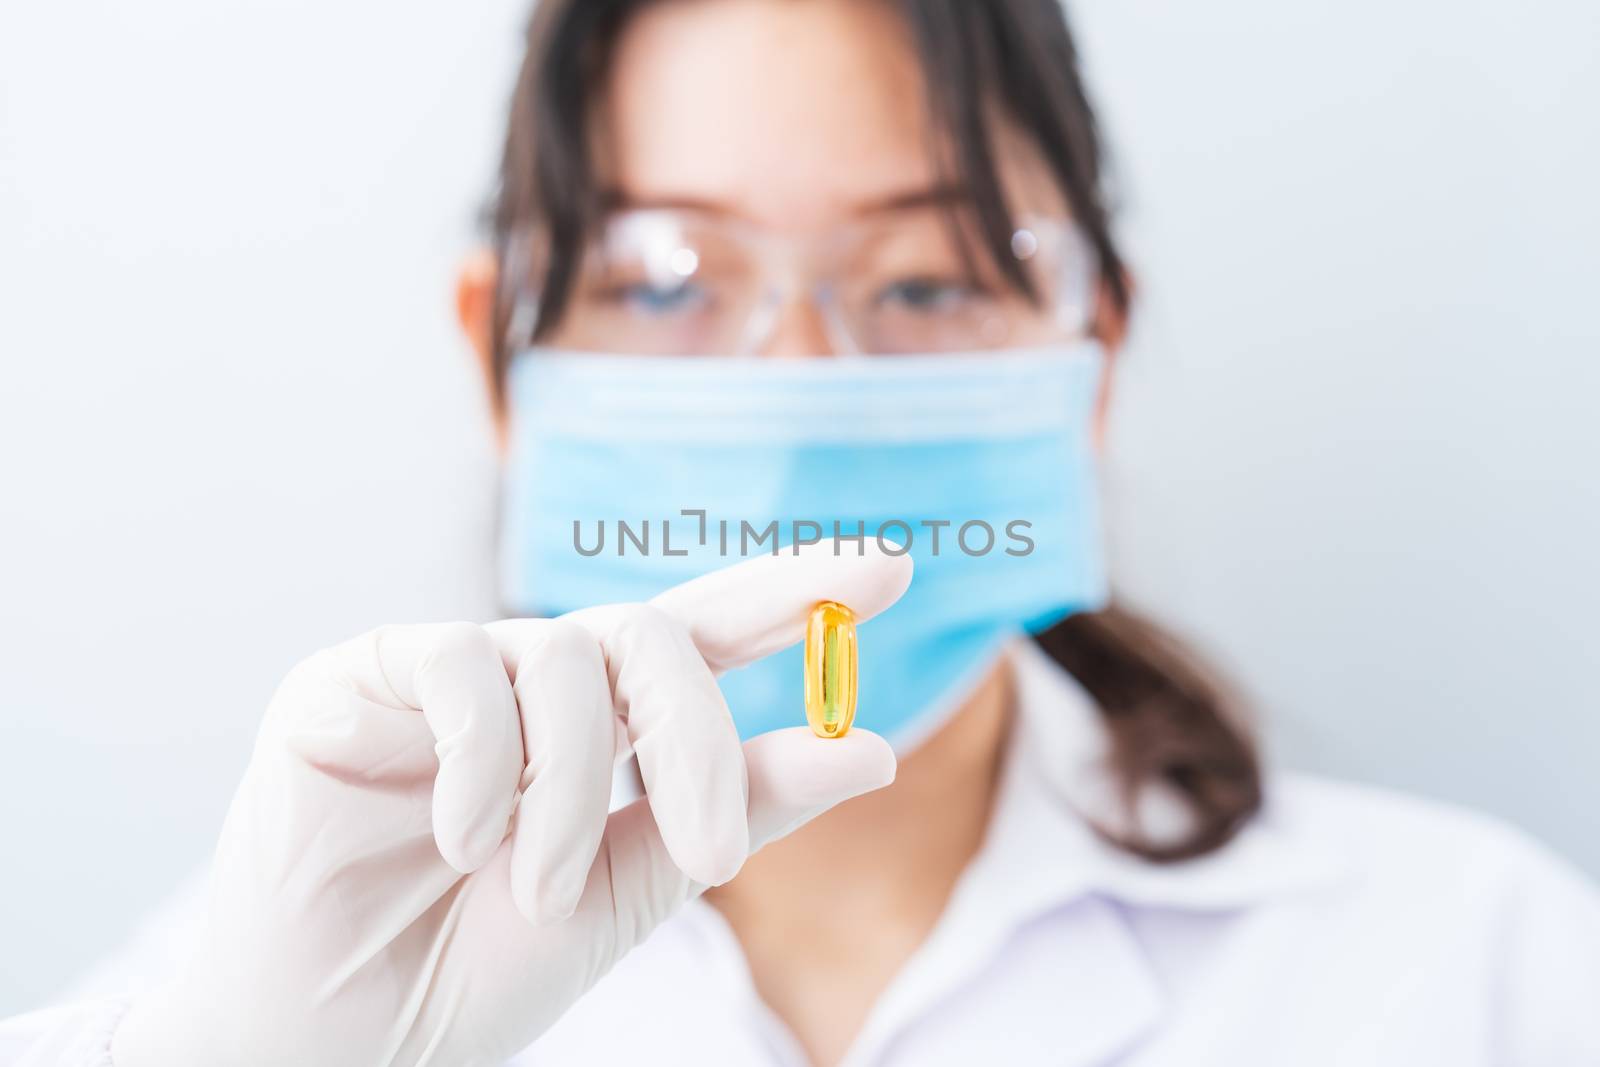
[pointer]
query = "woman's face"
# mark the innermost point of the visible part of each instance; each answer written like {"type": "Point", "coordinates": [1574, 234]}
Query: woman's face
{"type": "Point", "coordinates": [796, 116]}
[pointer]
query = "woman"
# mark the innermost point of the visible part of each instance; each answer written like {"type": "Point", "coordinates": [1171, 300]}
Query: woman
{"type": "Point", "coordinates": [1079, 859]}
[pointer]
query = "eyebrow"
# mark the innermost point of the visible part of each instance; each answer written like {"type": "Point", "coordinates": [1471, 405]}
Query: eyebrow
{"type": "Point", "coordinates": [944, 195]}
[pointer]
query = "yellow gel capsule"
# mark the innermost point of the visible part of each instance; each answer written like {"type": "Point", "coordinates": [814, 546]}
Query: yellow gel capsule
{"type": "Point", "coordinates": [831, 669]}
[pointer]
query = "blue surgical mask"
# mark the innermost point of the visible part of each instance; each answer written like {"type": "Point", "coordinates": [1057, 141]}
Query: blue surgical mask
{"type": "Point", "coordinates": [628, 475]}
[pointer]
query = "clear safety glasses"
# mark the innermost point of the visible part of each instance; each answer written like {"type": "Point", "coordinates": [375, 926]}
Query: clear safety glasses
{"type": "Point", "coordinates": [681, 282]}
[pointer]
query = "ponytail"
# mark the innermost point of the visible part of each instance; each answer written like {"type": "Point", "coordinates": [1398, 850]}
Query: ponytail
{"type": "Point", "coordinates": [1171, 726]}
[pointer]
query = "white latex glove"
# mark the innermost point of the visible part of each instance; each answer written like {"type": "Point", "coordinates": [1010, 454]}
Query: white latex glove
{"type": "Point", "coordinates": [419, 868]}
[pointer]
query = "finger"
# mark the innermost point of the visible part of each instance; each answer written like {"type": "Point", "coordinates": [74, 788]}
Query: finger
{"type": "Point", "coordinates": [680, 729]}
{"type": "Point", "coordinates": [794, 777]}
{"type": "Point", "coordinates": [755, 608]}
{"type": "Point", "coordinates": [558, 675]}
{"type": "Point", "coordinates": [452, 674]}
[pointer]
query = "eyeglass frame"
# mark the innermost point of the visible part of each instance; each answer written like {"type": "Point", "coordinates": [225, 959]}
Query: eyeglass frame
{"type": "Point", "coordinates": [522, 324]}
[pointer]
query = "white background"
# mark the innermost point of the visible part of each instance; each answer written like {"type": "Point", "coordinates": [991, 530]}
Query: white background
{"type": "Point", "coordinates": [1354, 457]}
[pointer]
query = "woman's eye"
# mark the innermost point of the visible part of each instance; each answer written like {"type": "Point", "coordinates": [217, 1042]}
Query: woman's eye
{"type": "Point", "coordinates": [924, 295]}
{"type": "Point", "coordinates": [658, 300]}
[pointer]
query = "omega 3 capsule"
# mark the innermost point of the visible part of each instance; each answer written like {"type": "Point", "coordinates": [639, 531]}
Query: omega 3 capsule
{"type": "Point", "coordinates": [831, 669]}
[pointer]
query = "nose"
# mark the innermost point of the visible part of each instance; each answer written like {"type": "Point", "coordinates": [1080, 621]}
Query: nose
{"type": "Point", "coordinates": [799, 331]}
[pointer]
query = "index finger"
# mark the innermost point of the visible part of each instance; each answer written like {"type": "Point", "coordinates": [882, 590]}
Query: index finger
{"type": "Point", "coordinates": [752, 609]}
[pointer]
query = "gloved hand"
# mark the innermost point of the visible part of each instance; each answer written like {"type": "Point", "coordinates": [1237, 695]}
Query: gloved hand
{"type": "Point", "coordinates": [419, 866]}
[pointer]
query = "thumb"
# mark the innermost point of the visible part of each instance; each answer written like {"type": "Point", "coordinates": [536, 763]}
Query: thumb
{"type": "Point", "coordinates": [534, 973]}
{"type": "Point", "coordinates": [794, 777]}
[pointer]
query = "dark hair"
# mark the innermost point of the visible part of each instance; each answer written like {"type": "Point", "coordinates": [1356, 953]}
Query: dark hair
{"type": "Point", "coordinates": [1169, 725]}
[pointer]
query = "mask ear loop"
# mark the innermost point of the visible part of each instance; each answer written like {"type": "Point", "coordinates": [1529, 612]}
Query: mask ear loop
{"type": "Point", "coordinates": [523, 321]}
{"type": "Point", "coordinates": [1078, 270]}
{"type": "Point", "coordinates": [522, 325]}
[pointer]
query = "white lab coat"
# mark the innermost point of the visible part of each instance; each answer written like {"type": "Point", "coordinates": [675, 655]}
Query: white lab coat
{"type": "Point", "coordinates": [1345, 926]}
